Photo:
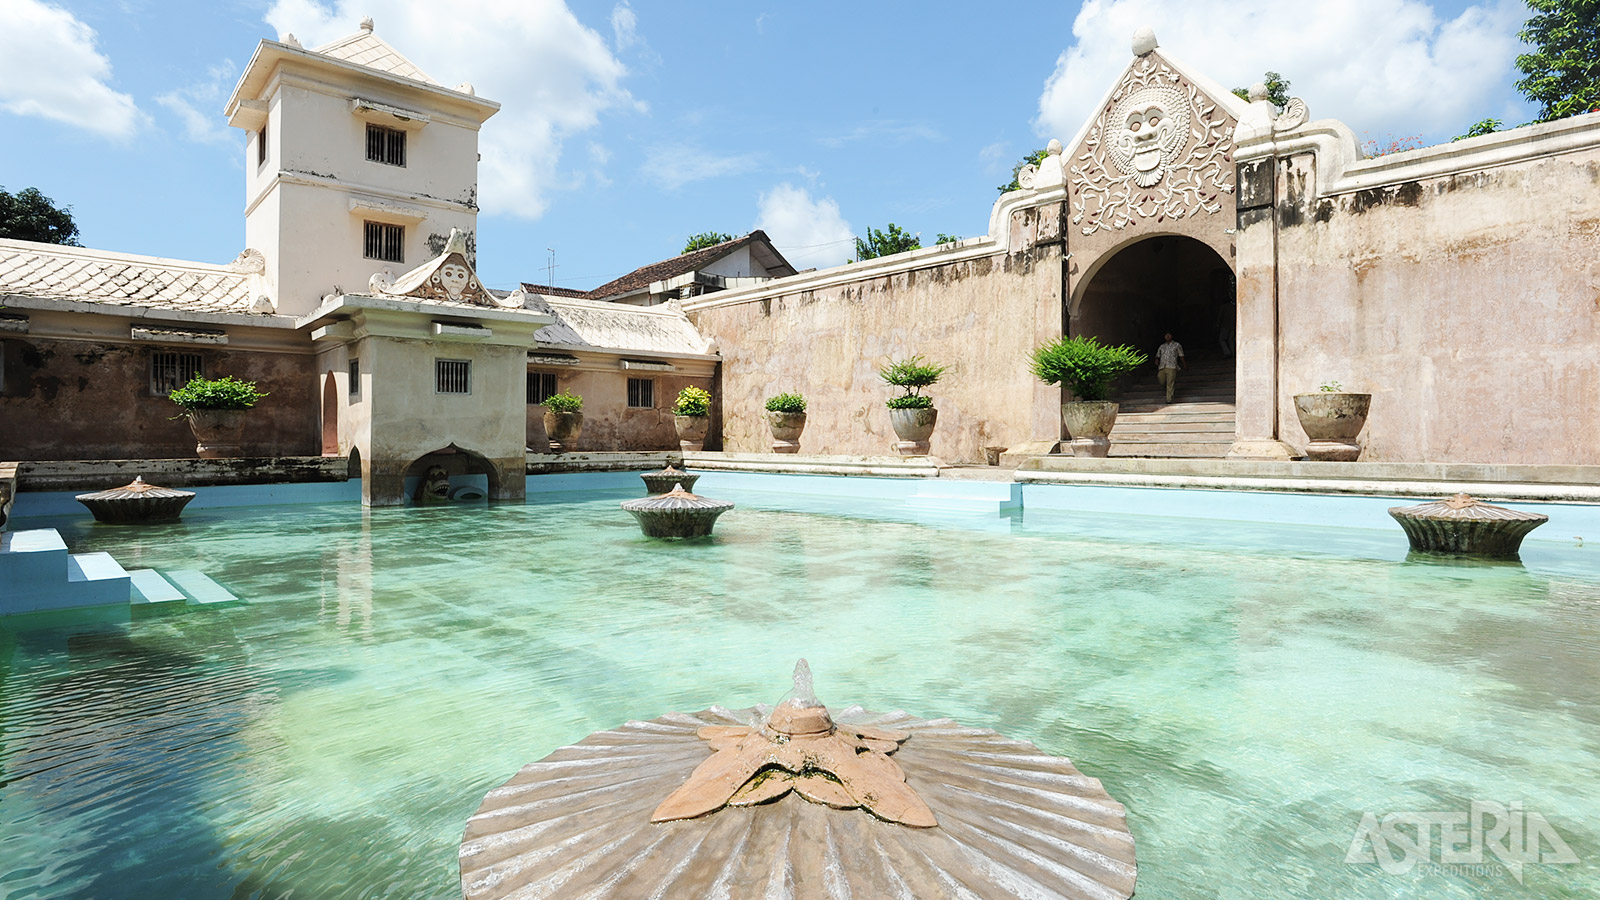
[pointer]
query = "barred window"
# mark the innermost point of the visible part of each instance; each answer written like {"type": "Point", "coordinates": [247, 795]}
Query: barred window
{"type": "Point", "coordinates": [355, 378]}
{"type": "Point", "coordinates": [386, 145]}
{"type": "Point", "coordinates": [541, 387]}
{"type": "Point", "coordinates": [641, 393]}
{"type": "Point", "coordinates": [385, 242]}
{"type": "Point", "coordinates": [170, 371]}
{"type": "Point", "coordinates": [452, 376]}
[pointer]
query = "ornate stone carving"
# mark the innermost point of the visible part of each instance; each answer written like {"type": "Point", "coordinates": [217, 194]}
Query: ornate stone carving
{"type": "Point", "coordinates": [1293, 116]}
{"type": "Point", "coordinates": [250, 261]}
{"type": "Point", "coordinates": [449, 277]}
{"type": "Point", "coordinates": [1161, 150]}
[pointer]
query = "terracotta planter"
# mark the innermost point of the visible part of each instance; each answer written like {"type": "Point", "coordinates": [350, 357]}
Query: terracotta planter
{"type": "Point", "coordinates": [562, 429]}
{"type": "Point", "coordinates": [914, 427]}
{"type": "Point", "coordinates": [786, 428]}
{"type": "Point", "coordinates": [1089, 425]}
{"type": "Point", "coordinates": [1332, 419]}
{"type": "Point", "coordinates": [217, 432]}
{"type": "Point", "coordinates": [692, 432]}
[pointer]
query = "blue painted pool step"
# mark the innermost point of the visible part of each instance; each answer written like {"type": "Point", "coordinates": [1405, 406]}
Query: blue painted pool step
{"type": "Point", "coordinates": [37, 574]}
{"type": "Point", "coordinates": [966, 496]}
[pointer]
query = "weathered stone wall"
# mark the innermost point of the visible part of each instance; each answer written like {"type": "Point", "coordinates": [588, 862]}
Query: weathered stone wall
{"type": "Point", "coordinates": [66, 399]}
{"type": "Point", "coordinates": [825, 336]}
{"type": "Point", "coordinates": [608, 422]}
{"type": "Point", "coordinates": [1467, 304]}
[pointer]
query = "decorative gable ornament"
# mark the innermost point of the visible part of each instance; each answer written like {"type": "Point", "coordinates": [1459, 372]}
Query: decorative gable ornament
{"type": "Point", "coordinates": [1160, 149]}
{"type": "Point", "coordinates": [448, 277]}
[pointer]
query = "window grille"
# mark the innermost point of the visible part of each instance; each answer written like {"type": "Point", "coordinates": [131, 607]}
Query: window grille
{"type": "Point", "coordinates": [452, 376]}
{"type": "Point", "coordinates": [170, 371]}
{"type": "Point", "coordinates": [641, 393]}
{"type": "Point", "coordinates": [386, 145]}
{"type": "Point", "coordinates": [541, 387]}
{"type": "Point", "coordinates": [385, 242]}
{"type": "Point", "coordinates": [355, 378]}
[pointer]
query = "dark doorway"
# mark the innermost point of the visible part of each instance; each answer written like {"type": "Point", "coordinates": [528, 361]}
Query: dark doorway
{"type": "Point", "coordinates": [1160, 284]}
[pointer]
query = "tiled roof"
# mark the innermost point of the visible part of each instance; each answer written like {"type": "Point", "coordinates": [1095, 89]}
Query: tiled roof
{"type": "Point", "coordinates": [593, 325]}
{"type": "Point", "coordinates": [367, 49]}
{"type": "Point", "coordinates": [552, 291]}
{"type": "Point", "coordinates": [641, 278]}
{"type": "Point", "coordinates": [52, 272]}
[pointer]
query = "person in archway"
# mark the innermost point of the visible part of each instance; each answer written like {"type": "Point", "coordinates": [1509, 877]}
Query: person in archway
{"type": "Point", "coordinates": [1169, 359]}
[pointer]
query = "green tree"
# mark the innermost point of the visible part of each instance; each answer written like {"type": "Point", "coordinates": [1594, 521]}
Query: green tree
{"type": "Point", "coordinates": [1277, 90]}
{"type": "Point", "coordinates": [29, 215]}
{"type": "Point", "coordinates": [1563, 72]}
{"type": "Point", "coordinates": [705, 239]}
{"type": "Point", "coordinates": [1484, 126]}
{"type": "Point", "coordinates": [885, 243]}
{"type": "Point", "coordinates": [946, 239]}
{"type": "Point", "coordinates": [1032, 159]}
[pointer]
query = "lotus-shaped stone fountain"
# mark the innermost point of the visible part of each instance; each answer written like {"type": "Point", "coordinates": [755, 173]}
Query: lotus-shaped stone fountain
{"type": "Point", "coordinates": [664, 480]}
{"type": "Point", "coordinates": [676, 514]}
{"type": "Point", "coordinates": [1466, 526]}
{"type": "Point", "coordinates": [137, 503]}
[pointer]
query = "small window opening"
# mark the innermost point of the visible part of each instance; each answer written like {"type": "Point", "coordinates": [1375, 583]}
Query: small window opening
{"type": "Point", "coordinates": [386, 145]}
{"type": "Point", "coordinates": [355, 378]}
{"type": "Point", "coordinates": [641, 393]}
{"type": "Point", "coordinates": [541, 387]}
{"type": "Point", "coordinates": [385, 242]}
{"type": "Point", "coordinates": [452, 376]}
{"type": "Point", "coordinates": [170, 371]}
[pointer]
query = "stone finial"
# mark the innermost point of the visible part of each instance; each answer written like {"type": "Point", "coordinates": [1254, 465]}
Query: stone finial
{"type": "Point", "coordinates": [1053, 148]}
{"type": "Point", "coordinates": [456, 243]}
{"type": "Point", "coordinates": [263, 305]}
{"type": "Point", "coordinates": [1258, 92]}
{"type": "Point", "coordinates": [292, 41]}
{"type": "Point", "coordinates": [1144, 40]}
{"type": "Point", "coordinates": [466, 87]}
{"type": "Point", "coordinates": [366, 24]}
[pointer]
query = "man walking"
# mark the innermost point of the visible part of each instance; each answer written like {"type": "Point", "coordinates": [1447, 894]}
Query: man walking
{"type": "Point", "coordinates": [1169, 359]}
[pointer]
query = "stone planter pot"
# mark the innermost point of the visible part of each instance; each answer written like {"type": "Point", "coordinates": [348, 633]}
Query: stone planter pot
{"type": "Point", "coordinates": [217, 432]}
{"type": "Point", "coordinates": [786, 428]}
{"type": "Point", "coordinates": [1089, 425]}
{"type": "Point", "coordinates": [692, 432]}
{"type": "Point", "coordinates": [562, 428]}
{"type": "Point", "coordinates": [1332, 419]}
{"type": "Point", "coordinates": [914, 427]}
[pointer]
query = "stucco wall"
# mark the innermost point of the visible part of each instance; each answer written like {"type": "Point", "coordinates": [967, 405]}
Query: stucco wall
{"type": "Point", "coordinates": [608, 422]}
{"type": "Point", "coordinates": [979, 315]}
{"type": "Point", "coordinates": [1468, 305]}
{"type": "Point", "coordinates": [92, 400]}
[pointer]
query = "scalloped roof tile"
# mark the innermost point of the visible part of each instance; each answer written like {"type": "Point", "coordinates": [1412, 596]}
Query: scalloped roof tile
{"type": "Point", "coordinates": [596, 325]}
{"type": "Point", "coordinates": [51, 272]}
{"type": "Point", "coordinates": [367, 49]}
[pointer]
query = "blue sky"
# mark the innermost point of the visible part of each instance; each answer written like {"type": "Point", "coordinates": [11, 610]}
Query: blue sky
{"type": "Point", "coordinates": [627, 126]}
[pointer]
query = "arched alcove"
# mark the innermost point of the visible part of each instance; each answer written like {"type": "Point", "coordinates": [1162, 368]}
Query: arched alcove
{"type": "Point", "coordinates": [1165, 283]}
{"type": "Point", "coordinates": [459, 464]}
{"type": "Point", "coordinates": [330, 415]}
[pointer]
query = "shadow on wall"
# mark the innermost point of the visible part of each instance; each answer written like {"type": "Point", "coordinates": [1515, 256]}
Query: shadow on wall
{"type": "Point", "coordinates": [451, 473]}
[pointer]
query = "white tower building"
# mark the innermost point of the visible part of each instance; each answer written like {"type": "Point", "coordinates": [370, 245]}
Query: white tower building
{"type": "Point", "coordinates": [357, 161]}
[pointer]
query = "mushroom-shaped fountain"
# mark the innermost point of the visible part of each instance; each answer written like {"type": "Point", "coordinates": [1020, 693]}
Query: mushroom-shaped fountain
{"type": "Point", "coordinates": [664, 480]}
{"type": "Point", "coordinates": [138, 503]}
{"type": "Point", "coordinates": [1466, 526]}
{"type": "Point", "coordinates": [676, 514]}
{"type": "Point", "coordinates": [795, 801]}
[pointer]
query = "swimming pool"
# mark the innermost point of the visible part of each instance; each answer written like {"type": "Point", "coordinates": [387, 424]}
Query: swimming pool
{"type": "Point", "coordinates": [1250, 691]}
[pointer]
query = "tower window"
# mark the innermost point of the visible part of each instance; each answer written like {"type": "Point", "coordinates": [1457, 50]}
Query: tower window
{"type": "Point", "coordinates": [386, 145]}
{"type": "Point", "coordinates": [385, 242]}
{"type": "Point", "coordinates": [170, 371]}
{"type": "Point", "coordinates": [355, 379]}
{"type": "Point", "coordinates": [641, 393]}
{"type": "Point", "coordinates": [261, 144]}
{"type": "Point", "coordinates": [452, 376]}
{"type": "Point", "coordinates": [541, 387]}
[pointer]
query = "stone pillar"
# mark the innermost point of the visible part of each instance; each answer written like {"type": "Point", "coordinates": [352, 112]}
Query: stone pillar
{"type": "Point", "coordinates": [512, 475]}
{"type": "Point", "coordinates": [1256, 342]}
{"type": "Point", "coordinates": [383, 481]}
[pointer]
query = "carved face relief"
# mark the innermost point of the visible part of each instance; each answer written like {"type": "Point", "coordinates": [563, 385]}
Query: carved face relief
{"type": "Point", "coordinates": [453, 277]}
{"type": "Point", "coordinates": [1148, 131]}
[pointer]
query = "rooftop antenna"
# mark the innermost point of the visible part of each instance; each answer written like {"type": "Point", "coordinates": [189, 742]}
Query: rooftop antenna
{"type": "Point", "coordinates": [550, 268]}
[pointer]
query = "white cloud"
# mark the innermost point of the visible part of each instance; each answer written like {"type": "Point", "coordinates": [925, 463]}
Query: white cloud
{"type": "Point", "coordinates": [625, 25]}
{"type": "Point", "coordinates": [1382, 66]}
{"type": "Point", "coordinates": [992, 156]}
{"type": "Point", "coordinates": [553, 75]}
{"type": "Point", "coordinates": [198, 106]}
{"type": "Point", "coordinates": [50, 68]}
{"type": "Point", "coordinates": [808, 232]}
{"type": "Point", "coordinates": [676, 165]}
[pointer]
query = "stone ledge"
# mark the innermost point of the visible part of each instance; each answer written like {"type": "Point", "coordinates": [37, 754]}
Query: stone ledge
{"type": "Point", "coordinates": [100, 474]}
{"type": "Point", "coordinates": [798, 464]}
{"type": "Point", "coordinates": [621, 461]}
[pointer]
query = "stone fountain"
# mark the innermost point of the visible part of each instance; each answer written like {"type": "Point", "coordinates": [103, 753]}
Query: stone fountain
{"type": "Point", "coordinates": [1466, 526]}
{"type": "Point", "coordinates": [137, 503]}
{"type": "Point", "coordinates": [664, 480]}
{"type": "Point", "coordinates": [677, 514]}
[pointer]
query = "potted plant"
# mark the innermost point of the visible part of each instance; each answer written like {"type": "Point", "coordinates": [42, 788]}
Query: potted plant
{"type": "Point", "coordinates": [215, 409]}
{"type": "Point", "coordinates": [912, 413]}
{"type": "Point", "coordinates": [1332, 417]}
{"type": "Point", "coordinates": [1087, 368]}
{"type": "Point", "coordinates": [786, 413]}
{"type": "Point", "coordinates": [692, 414]}
{"type": "Point", "coordinates": [563, 421]}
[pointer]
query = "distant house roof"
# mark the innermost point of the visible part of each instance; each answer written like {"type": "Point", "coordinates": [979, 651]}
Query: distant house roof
{"type": "Point", "coordinates": [367, 49]}
{"type": "Point", "coordinates": [77, 274]}
{"type": "Point", "coordinates": [553, 291]}
{"type": "Point", "coordinates": [596, 325]}
{"type": "Point", "coordinates": [641, 278]}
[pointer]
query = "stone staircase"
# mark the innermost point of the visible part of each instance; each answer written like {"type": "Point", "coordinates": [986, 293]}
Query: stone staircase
{"type": "Point", "coordinates": [1198, 423]}
{"type": "Point", "coordinates": [37, 574]}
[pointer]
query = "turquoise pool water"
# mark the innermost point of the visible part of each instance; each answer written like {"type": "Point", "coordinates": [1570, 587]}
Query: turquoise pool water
{"type": "Point", "coordinates": [1248, 691]}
